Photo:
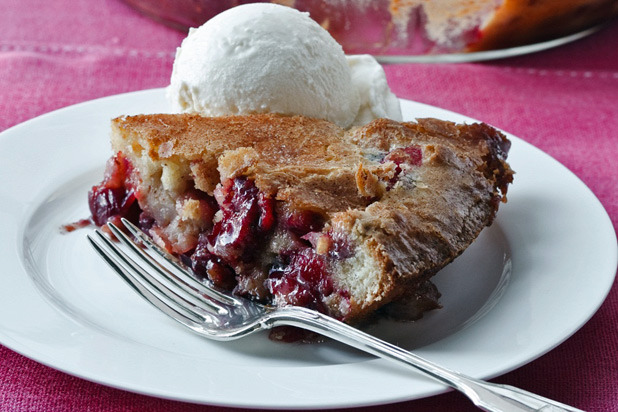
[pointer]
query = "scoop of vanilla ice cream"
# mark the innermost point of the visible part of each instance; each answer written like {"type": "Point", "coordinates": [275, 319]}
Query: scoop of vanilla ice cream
{"type": "Point", "coordinates": [376, 98]}
{"type": "Point", "coordinates": [259, 58]}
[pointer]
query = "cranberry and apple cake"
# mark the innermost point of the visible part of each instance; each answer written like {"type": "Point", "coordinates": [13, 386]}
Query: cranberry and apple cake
{"type": "Point", "coordinates": [289, 210]}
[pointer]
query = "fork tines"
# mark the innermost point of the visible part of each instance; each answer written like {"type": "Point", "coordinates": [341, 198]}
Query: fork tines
{"type": "Point", "coordinates": [159, 277]}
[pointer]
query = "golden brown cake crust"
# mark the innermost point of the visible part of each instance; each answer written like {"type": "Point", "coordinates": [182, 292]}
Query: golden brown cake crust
{"type": "Point", "coordinates": [410, 223]}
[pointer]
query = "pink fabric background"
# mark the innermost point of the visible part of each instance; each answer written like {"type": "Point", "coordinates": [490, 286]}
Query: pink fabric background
{"type": "Point", "coordinates": [564, 101]}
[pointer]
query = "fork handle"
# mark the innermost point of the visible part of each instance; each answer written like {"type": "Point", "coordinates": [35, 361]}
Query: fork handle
{"type": "Point", "coordinates": [485, 395]}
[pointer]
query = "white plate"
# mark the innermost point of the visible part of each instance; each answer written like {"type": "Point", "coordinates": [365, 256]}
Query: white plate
{"type": "Point", "coordinates": [527, 284]}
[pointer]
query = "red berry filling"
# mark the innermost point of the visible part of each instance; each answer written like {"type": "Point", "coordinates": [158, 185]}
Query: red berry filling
{"type": "Point", "coordinates": [246, 214]}
{"type": "Point", "coordinates": [115, 197]}
{"type": "Point", "coordinates": [303, 281]}
{"type": "Point", "coordinates": [205, 264]}
{"type": "Point", "coordinates": [298, 275]}
{"type": "Point", "coordinates": [244, 222]}
{"type": "Point", "coordinates": [404, 158]}
{"type": "Point", "coordinates": [301, 222]}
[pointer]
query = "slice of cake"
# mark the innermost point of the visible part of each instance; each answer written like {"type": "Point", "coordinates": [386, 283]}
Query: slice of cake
{"type": "Point", "coordinates": [297, 211]}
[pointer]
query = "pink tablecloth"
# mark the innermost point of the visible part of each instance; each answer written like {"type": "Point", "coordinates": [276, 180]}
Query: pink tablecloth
{"type": "Point", "coordinates": [564, 101]}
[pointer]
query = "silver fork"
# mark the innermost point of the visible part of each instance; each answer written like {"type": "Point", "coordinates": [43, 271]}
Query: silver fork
{"type": "Point", "coordinates": [166, 283]}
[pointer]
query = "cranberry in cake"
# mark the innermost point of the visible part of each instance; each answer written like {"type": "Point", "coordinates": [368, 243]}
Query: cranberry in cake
{"type": "Point", "coordinates": [289, 210]}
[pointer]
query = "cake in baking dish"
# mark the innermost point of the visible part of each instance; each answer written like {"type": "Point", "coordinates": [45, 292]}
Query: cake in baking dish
{"type": "Point", "coordinates": [411, 27]}
{"type": "Point", "coordinates": [289, 210]}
